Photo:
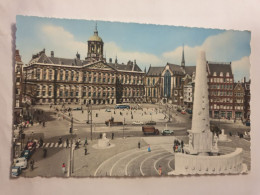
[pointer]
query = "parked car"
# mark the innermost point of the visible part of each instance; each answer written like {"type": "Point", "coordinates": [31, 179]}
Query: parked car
{"type": "Point", "coordinates": [189, 111]}
{"type": "Point", "coordinates": [108, 110]}
{"type": "Point", "coordinates": [31, 145]}
{"type": "Point", "coordinates": [150, 123]}
{"type": "Point", "coordinates": [183, 112]}
{"type": "Point", "coordinates": [167, 132]}
{"type": "Point", "coordinates": [20, 162]}
{"type": "Point", "coordinates": [137, 123]}
{"type": "Point", "coordinates": [26, 154]}
{"type": "Point", "coordinates": [111, 122]}
{"type": "Point", "coordinates": [16, 171]}
{"type": "Point", "coordinates": [77, 108]}
{"type": "Point", "coordinates": [150, 130]}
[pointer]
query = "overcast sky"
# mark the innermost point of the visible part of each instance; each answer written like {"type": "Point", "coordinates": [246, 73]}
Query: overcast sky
{"type": "Point", "coordinates": [145, 43]}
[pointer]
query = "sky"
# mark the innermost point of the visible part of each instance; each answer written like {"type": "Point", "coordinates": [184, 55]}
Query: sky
{"type": "Point", "coordinates": [148, 44]}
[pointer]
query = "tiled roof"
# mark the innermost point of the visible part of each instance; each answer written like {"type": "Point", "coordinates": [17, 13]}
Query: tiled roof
{"type": "Point", "coordinates": [220, 67]}
{"type": "Point", "coordinates": [130, 66]}
{"type": "Point", "coordinates": [42, 58]}
{"type": "Point", "coordinates": [190, 69]}
{"type": "Point", "coordinates": [176, 69]}
{"type": "Point", "coordinates": [155, 71]}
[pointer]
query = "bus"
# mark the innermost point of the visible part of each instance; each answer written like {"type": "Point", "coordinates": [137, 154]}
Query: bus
{"type": "Point", "coordinates": [122, 106]}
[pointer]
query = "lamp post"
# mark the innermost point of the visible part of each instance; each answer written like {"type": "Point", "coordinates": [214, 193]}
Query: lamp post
{"type": "Point", "coordinates": [91, 122]}
{"type": "Point", "coordinates": [124, 128]}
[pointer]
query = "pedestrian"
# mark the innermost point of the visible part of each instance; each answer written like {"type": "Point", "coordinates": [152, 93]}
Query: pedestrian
{"type": "Point", "coordinates": [86, 151]}
{"type": "Point", "coordinates": [149, 148]}
{"type": "Point", "coordinates": [32, 164]}
{"type": "Point", "coordinates": [86, 142]}
{"type": "Point", "coordinates": [139, 145]}
{"type": "Point", "coordinates": [44, 153]}
{"type": "Point", "coordinates": [160, 170]}
{"type": "Point", "coordinates": [79, 140]}
{"type": "Point", "coordinates": [63, 168]}
{"type": "Point", "coordinates": [113, 135]}
{"type": "Point", "coordinates": [100, 135]}
{"type": "Point", "coordinates": [67, 143]}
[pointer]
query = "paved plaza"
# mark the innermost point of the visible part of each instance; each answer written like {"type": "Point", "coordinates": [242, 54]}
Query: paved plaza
{"type": "Point", "coordinates": [124, 158]}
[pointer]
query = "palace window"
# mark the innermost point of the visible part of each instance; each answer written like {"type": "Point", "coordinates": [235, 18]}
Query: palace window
{"type": "Point", "coordinates": [94, 94]}
{"type": "Point", "coordinates": [104, 80]}
{"type": "Point", "coordinates": [89, 94]}
{"type": "Point", "coordinates": [112, 80]}
{"type": "Point", "coordinates": [38, 73]}
{"type": "Point", "coordinates": [72, 75]}
{"type": "Point", "coordinates": [95, 79]}
{"type": "Point", "coordinates": [50, 74]}
{"type": "Point", "coordinates": [77, 93]}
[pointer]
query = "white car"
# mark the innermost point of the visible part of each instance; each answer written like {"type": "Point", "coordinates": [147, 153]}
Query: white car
{"type": "Point", "coordinates": [137, 123]}
{"type": "Point", "coordinates": [20, 162]}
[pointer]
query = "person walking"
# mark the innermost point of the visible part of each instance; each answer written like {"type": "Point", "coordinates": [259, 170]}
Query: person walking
{"type": "Point", "coordinates": [149, 148]}
{"type": "Point", "coordinates": [63, 168]}
{"type": "Point", "coordinates": [86, 151]}
{"type": "Point", "coordinates": [113, 135]}
{"type": "Point", "coordinates": [139, 145]}
{"type": "Point", "coordinates": [32, 164]}
{"type": "Point", "coordinates": [160, 170]}
{"type": "Point", "coordinates": [86, 142]}
{"type": "Point", "coordinates": [67, 143]}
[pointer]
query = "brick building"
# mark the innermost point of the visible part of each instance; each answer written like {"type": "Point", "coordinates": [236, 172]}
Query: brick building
{"type": "Point", "coordinates": [220, 83]}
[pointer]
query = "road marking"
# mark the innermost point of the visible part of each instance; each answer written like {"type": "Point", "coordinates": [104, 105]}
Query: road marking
{"type": "Point", "coordinates": [43, 145]}
{"type": "Point", "coordinates": [104, 162]}
{"type": "Point", "coordinates": [136, 158]}
{"type": "Point", "coordinates": [63, 144]}
{"type": "Point", "coordinates": [169, 163]}
{"type": "Point", "coordinates": [56, 145]}
{"type": "Point", "coordinates": [145, 160]}
{"type": "Point", "coordinates": [154, 164]}
{"type": "Point", "coordinates": [120, 160]}
{"type": "Point", "coordinates": [47, 145]}
{"type": "Point", "coordinates": [51, 145]}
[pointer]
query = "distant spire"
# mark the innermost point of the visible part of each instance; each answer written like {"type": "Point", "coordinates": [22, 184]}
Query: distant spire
{"type": "Point", "coordinates": [145, 70]}
{"type": "Point", "coordinates": [96, 31]}
{"type": "Point", "coordinates": [183, 60]}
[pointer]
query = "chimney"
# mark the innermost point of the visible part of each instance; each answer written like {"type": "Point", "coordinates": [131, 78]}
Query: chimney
{"type": "Point", "coordinates": [134, 62]}
{"type": "Point", "coordinates": [110, 60]}
{"type": "Point", "coordinates": [52, 53]}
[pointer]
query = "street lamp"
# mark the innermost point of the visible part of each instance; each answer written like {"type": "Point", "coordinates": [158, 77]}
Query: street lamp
{"type": "Point", "coordinates": [124, 128]}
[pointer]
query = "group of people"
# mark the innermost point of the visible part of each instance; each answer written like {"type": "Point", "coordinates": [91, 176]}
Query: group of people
{"type": "Point", "coordinates": [178, 146]}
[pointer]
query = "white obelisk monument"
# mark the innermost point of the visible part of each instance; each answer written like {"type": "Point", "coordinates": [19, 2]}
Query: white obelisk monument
{"type": "Point", "coordinates": [200, 137]}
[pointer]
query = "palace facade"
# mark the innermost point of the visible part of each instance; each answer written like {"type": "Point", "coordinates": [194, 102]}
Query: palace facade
{"type": "Point", "coordinates": [90, 81]}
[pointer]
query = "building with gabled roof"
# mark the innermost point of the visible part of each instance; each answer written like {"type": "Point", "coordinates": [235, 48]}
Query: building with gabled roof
{"type": "Point", "coordinates": [153, 84]}
{"type": "Point", "coordinates": [220, 83]}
